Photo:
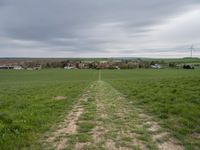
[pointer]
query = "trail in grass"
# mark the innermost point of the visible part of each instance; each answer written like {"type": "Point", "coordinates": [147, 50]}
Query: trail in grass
{"type": "Point", "coordinates": [57, 139]}
{"type": "Point", "coordinates": [104, 119]}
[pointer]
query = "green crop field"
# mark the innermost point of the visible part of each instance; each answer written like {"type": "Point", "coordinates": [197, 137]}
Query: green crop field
{"type": "Point", "coordinates": [28, 104]}
{"type": "Point", "coordinates": [173, 96]}
{"type": "Point", "coordinates": [100, 109]}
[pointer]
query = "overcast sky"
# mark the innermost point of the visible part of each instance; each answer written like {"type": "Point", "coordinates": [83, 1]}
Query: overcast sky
{"type": "Point", "coordinates": [99, 28]}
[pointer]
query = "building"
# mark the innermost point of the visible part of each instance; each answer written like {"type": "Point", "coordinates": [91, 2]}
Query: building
{"type": "Point", "coordinates": [6, 67]}
{"type": "Point", "coordinates": [156, 66]}
{"type": "Point", "coordinates": [18, 68]}
{"type": "Point", "coordinates": [37, 67]}
{"type": "Point", "coordinates": [69, 67]}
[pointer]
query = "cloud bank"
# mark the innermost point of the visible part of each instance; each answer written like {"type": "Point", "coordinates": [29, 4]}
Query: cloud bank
{"type": "Point", "coordinates": [106, 28]}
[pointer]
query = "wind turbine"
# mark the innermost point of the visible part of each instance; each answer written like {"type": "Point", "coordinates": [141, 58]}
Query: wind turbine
{"type": "Point", "coordinates": [191, 50]}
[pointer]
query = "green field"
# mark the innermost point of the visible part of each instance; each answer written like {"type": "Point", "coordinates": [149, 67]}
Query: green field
{"type": "Point", "coordinates": [173, 96]}
{"type": "Point", "coordinates": [30, 108]}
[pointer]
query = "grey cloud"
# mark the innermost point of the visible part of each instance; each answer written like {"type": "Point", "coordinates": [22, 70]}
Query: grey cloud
{"type": "Point", "coordinates": [84, 26]}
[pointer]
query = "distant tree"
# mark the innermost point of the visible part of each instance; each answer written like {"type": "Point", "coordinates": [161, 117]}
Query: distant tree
{"type": "Point", "coordinates": [172, 65]}
{"type": "Point", "coordinates": [152, 63]}
{"type": "Point", "coordinates": [188, 67]}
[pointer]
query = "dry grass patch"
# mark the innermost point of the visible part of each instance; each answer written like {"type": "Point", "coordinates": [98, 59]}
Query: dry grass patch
{"type": "Point", "coordinates": [59, 98]}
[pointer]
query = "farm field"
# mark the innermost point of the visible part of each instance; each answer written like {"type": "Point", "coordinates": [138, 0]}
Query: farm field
{"type": "Point", "coordinates": [171, 96]}
{"type": "Point", "coordinates": [31, 101]}
{"type": "Point", "coordinates": [106, 109]}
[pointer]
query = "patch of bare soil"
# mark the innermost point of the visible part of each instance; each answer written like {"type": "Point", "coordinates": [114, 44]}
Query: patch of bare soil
{"type": "Point", "coordinates": [60, 97]}
{"type": "Point", "coordinates": [169, 145]}
{"type": "Point", "coordinates": [80, 146]}
{"type": "Point", "coordinates": [139, 144]}
{"type": "Point", "coordinates": [110, 144]}
{"type": "Point", "coordinates": [96, 134]}
{"type": "Point", "coordinates": [99, 131]}
{"type": "Point", "coordinates": [163, 136]}
{"type": "Point", "coordinates": [66, 128]}
{"type": "Point", "coordinates": [196, 135]}
{"type": "Point", "coordinates": [153, 126]}
{"type": "Point", "coordinates": [62, 144]}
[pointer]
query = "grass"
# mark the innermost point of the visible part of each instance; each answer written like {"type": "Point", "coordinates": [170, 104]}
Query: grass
{"type": "Point", "coordinates": [173, 96]}
{"type": "Point", "coordinates": [27, 104]}
{"type": "Point", "coordinates": [28, 107]}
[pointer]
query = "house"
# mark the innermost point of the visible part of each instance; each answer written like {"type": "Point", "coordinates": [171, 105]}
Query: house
{"type": "Point", "coordinates": [37, 67]}
{"type": "Point", "coordinates": [6, 67]}
{"type": "Point", "coordinates": [18, 68]}
{"type": "Point", "coordinates": [29, 68]}
{"type": "Point", "coordinates": [103, 61]}
{"type": "Point", "coordinates": [69, 67]}
{"type": "Point", "coordinates": [156, 66]}
{"type": "Point", "coordinates": [81, 65]}
{"type": "Point", "coordinates": [117, 67]}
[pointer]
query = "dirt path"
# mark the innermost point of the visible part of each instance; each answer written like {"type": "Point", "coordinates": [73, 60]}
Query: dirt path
{"type": "Point", "coordinates": [57, 139]}
{"type": "Point", "coordinates": [104, 119]}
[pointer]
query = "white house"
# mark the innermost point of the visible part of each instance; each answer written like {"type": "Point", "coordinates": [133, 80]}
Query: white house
{"type": "Point", "coordinates": [156, 66]}
{"type": "Point", "coordinates": [69, 67]}
{"type": "Point", "coordinates": [18, 67]}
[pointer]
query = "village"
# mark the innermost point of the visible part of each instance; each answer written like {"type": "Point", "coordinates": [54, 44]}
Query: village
{"type": "Point", "coordinates": [93, 64]}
